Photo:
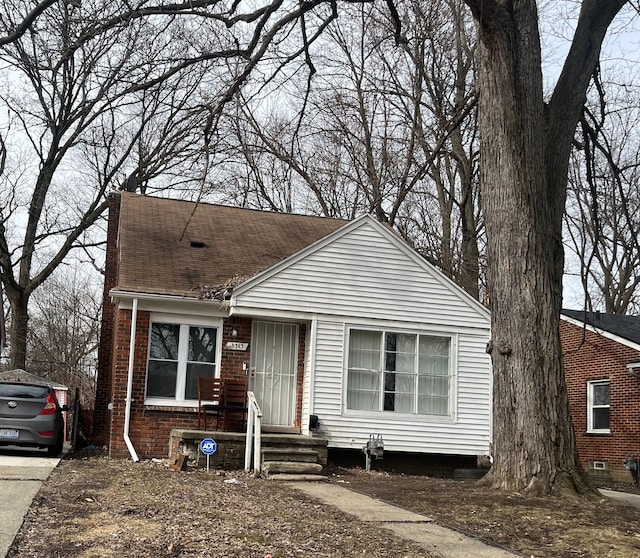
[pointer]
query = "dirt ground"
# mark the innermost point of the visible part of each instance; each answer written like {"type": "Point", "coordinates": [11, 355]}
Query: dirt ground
{"type": "Point", "coordinates": [93, 507]}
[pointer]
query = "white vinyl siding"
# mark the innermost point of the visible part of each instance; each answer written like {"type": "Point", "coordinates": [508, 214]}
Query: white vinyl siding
{"type": "Point", "coordinates": [368, 279]}
{"type": "Point", "coordinates": [466, 431]}
{"type": "Point", "coordinates": [362, 274]}
{"type": "Point", "coordinates": [307, 380]}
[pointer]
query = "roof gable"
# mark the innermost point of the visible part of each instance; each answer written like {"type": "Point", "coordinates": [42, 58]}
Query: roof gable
{"type": "Point", "coordinates": [362, 269]}
{"type": "Point", "coordinates": [623, 327]}
{"type": "Point", "coordinates": [229, 245]}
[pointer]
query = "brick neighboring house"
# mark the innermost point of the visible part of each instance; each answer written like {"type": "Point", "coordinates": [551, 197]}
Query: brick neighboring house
{"type": "Point", "coordinates": [338, 320]}
{"type": "Point", "coordinates": [602, 370]}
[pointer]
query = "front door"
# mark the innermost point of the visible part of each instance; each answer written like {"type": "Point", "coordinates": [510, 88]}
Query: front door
{"type": "Point", "coordinates": [274, 354]}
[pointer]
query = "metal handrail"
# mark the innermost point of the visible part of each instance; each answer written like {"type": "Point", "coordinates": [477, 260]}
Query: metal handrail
{"type": "Point", "coordinates": [254, 430]}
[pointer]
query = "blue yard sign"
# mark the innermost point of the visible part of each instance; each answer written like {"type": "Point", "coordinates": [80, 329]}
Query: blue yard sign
{"type": "Point", "coordinates": [208, 446]}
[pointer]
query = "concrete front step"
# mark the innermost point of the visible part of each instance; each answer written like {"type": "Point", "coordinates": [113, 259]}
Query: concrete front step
{"type": "Point", "coordinates": [298, 477]}
{"type": "Point", "coordinates": [290, 454]}
{"type": "Point", "coordinates": [293, 467]}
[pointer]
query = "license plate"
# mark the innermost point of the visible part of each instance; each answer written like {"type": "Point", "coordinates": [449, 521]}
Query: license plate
{"type": "Point", "coordinates": [9, 434]}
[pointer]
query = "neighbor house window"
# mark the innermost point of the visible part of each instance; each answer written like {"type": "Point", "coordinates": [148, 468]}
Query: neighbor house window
{"type": "Point", "coordinates": [399, 372]}
{"type": "Point", "coordinates": [598, 406]}
{"type": "Point", "coordinates": [178, 354]}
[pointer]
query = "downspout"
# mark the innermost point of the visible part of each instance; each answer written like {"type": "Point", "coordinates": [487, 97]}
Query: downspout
{"type": "Point", "coordinates": [127, 408]}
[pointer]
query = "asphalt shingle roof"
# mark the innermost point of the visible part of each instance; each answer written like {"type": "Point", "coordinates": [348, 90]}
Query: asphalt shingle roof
{"type": "Point", "coordinates": [157, 255]}
{"type": "Point", "coordinates": [627, 327]}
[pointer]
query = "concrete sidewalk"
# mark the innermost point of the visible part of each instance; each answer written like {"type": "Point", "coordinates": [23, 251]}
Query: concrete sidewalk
{"type": "Point", "coordinates": [627, 497]}
{"type": "Point", "coordinates": [21, 476]}
{"type": "Point", "coordinates": [408, 525]}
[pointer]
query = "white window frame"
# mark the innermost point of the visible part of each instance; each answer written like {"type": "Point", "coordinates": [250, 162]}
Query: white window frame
{"type": "Point", "coordinates": [591, 406]}
{"type": "Point", "coordinates": [453, 345]}
{"type": "Point", "coordinates": [185, 322]}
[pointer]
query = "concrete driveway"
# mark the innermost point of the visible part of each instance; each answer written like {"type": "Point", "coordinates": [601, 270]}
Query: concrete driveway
{"type": "Point", "coordinates": [21, 475]}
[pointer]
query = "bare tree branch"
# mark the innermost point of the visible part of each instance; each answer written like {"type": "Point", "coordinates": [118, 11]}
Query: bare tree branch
{"type": "Point", "coordinates": [20, 29]}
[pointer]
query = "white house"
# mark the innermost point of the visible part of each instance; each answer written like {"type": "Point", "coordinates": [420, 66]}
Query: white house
{"type": "Point", "coordinates": [339, 320]}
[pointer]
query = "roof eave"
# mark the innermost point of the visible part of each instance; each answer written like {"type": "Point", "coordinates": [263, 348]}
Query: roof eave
{"type": "Point", "coordinates": [601, 331]}
{"type": "Point", "coordinates": [119, 294]}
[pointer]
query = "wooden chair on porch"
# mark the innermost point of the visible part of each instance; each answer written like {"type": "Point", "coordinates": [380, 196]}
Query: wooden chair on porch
{"type": "Point", "coordinates": [209, 399]}
{"type": "Point", "coordinates": [234, 404]}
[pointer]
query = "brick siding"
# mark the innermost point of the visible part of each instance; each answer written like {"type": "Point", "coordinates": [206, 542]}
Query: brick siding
{"type": "Point", "coordinates": [150, 426]}
{"type": "Point", "coordinates": [589, 356]}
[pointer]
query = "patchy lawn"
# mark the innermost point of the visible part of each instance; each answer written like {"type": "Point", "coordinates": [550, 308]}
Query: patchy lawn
{"type": "Point", "coordinates": [549, 527]}
{"type": "Point", "coordinates": [93, 507]}
{"type": "Point", "coordinates": [96, 507]}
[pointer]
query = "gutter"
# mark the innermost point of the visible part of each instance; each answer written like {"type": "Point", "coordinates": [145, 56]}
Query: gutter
{"type": "Point", "coordinates": [127, 409]}
{"type": "Point", "coordinates": [634, 369]}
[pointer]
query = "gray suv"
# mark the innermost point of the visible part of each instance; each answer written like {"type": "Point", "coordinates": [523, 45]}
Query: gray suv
{"type": "Point", "coordinates": [31, 416]}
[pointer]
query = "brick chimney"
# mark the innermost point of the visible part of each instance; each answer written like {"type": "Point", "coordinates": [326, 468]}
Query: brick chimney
{"type": "Point", "coordinates": [102, 415]}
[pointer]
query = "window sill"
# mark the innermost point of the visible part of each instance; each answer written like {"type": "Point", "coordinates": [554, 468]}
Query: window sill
{"type": "Point", "coordinates": [405, 417]}
{"type": "Point", "coordinates": [170, 408]}
{"type": "Point", "coordinates": [598, 434]}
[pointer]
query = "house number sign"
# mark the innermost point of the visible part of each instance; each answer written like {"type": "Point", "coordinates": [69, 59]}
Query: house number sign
{"type": "Point", "coordinates": [235, 346]}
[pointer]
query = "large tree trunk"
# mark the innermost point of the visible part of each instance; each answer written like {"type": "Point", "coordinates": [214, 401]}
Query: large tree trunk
{"type": "Point", "coordinates": [524, 158]}
{"type": "Point", "coordinates": [533, 435]}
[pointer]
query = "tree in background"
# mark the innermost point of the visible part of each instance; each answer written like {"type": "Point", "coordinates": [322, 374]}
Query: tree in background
{"type": "Point", "coordinates": [64, 332]}
{"type": "Point", "coordinates": [383, 130]}
{"type": "Point", "coordinates": [94, 94]}
{"type": "Point", "coordinates": [603, 209]}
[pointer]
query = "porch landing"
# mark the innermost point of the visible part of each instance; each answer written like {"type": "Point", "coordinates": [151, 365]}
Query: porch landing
{"type": "Point", "coordinates": [278, 450]}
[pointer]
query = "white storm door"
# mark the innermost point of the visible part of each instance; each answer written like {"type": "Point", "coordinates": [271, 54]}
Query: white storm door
{"type": "Point", "coordinates": [274, 354]}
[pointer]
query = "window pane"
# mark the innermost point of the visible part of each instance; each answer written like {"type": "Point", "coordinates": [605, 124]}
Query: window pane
{"type": "Point", "coordinates": [195, 369]}
{"type": "Point", "coordinates": [433, 395]}
{"type": "Point", "coordinates": [163, 360]}
{"type": "Point", "coordinates": [433, 405]}
{"type": "Point", "coordinates": [601, 394]}
{"type": "Point", "coordinates": [363, 390]}
{"type": "Point", "coordinates": [389, 391]}
{"type": "Point", "coordinates": [364, 380]}
{"type": "Point", "coordinates": [399, 392]}
{"type": "Point", "coordinates": [161, 379]}
{"type": "Point", "coordinates": [433, 355]}
{"type": "Point", "coordinates": [164, 341]}
{"type": "Point", "coordinates": [24, 391]}
{"type": "Point", "coordinates": [202, 344]}
{"type": "Point", "coordinates": [400, 352]}
{"type": "Point", "coordinates": [433, 375]}
{"type": "Point", "coordinates": [408, 358]}
{"type": "Point", "coordinates": [601, 418]}
{"type": "Point", "coordinates": [364, 349]}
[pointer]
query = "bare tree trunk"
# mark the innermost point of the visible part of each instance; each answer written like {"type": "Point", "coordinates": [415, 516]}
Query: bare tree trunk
{"type": "Point", "coordinates": [524, 157]}
{"type": "Point", "coordinates": [19, 302]}
{"type": "Point", "coordinates": [469, 277]}
{"type": "Point", "coordinates": [525, 308]}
